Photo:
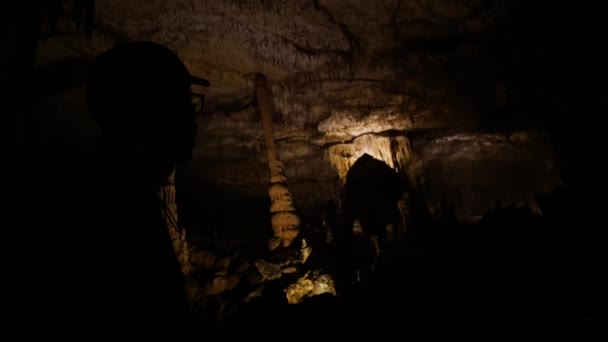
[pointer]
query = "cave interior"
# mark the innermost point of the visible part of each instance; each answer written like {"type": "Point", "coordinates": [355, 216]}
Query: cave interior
{"type": "Point", "coordinates": [410, 168]}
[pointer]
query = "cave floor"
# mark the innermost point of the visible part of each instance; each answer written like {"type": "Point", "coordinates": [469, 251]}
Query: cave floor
{"type": "Point", "coordinates": [449, 281]}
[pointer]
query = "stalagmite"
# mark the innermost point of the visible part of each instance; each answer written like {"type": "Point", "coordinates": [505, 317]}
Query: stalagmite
{"type": "Point", "coordinates": [285, 221]}
{"type": "Point", "coordinates": [178, 236]}
{"type": "Point", "coordinates": [190, 258]}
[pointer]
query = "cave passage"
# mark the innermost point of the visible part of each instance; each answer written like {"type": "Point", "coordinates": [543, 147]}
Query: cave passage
{"type": "Point", "coordinates": [416, 169]}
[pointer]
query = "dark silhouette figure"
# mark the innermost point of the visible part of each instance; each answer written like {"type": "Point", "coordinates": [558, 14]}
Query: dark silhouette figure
{"type": "Point", "coordinates": [140, 95]}
{"type": "Point", "coordinates": [112, 265]}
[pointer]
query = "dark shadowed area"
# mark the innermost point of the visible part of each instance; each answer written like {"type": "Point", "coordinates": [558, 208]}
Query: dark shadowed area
{"type": "Point", "coordinates": [416, 169]}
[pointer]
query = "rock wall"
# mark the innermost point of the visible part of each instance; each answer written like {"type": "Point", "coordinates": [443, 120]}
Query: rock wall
{"type": "Point", "coordinates": [413, 83]}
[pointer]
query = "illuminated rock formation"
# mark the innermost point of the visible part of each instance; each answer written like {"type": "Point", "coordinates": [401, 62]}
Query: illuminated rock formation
{"type": "Point", "coordinates": [191, 259]}
{"type": "Point", "coordinates": [405, 82]}
{"type": "Point", "coordinates": [394, 151]}
{"type": "Point", "coordinates": [272, 271]}
{"type": "Point", "coordinates": [285, 222]}
{"type": "Point", "coordinates": [309, 285]}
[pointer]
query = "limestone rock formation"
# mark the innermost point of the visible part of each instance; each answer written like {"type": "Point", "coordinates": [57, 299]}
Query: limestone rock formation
{"type": "Point", "coordinates": [403, 81]}
{"type": "Point", "coordinates": [474, 104]}
{"type": "Point", "coordinates": [309, 285]}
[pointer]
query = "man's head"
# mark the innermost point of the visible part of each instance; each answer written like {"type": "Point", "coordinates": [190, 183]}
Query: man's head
{"type": "Point", "coordinates": [139, 93]}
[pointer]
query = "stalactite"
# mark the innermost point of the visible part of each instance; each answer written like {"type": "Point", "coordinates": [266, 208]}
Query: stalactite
{"type": "Point", "coordinates": [394, 151]}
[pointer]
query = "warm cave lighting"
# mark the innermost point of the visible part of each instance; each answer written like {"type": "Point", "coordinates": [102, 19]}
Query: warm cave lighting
{"type": "Point", "coordinates": [394, 151]}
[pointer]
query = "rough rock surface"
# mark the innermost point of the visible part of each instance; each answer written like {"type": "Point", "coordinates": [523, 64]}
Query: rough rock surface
{"type": "Point", "coordinates": [348, 77]}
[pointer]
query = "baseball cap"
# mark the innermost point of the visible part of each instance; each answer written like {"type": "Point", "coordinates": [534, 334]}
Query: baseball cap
{"type": "Point", "coordinates": [137, 81]}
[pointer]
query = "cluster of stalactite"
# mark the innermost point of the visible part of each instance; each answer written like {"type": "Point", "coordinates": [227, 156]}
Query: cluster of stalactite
{"type": "Point", "coordinates": [395, 151]}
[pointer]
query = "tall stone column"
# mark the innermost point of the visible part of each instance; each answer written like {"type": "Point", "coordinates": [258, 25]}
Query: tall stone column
{"type": "Point", "coordinates": [285, 221]}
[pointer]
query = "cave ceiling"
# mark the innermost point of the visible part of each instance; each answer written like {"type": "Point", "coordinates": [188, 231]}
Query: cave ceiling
{"type": "Point", "coordinates": [340, 70]}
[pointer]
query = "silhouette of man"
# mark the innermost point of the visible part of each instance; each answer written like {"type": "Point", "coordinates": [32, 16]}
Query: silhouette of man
{"type": "Point", "coordinates": [140, 95]}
